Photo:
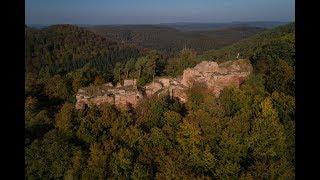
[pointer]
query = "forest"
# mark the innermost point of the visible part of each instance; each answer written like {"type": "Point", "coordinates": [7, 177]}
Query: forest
{"type": "Point", "coordinates": [245, 133]}
{"type": "Point", "coordinates": [170, 40]}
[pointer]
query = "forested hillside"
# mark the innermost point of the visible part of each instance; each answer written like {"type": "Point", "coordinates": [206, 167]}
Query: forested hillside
{"type": "Point", "coordinates": [63, 48]}
{"type": "Point", "coordinates": [170, 40]}
{"type": "Point", "coordinates": [279, 40]}
{"type": "Point", "coordinates": [245, 133]}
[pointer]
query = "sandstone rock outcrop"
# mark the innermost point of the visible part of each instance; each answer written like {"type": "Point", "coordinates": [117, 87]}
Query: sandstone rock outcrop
{"type": "Point", "coordinates": [215, 76]}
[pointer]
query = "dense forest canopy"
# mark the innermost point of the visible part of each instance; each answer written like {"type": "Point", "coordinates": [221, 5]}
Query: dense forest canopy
{"type": "Point", "coordinates": [245, 133]}
{"type": "Point", "coordinates": [170, 40]}
{"type": "Point", "coordinates": [279, 39]}
{"type": "Point", "coordinates": [63, 48]}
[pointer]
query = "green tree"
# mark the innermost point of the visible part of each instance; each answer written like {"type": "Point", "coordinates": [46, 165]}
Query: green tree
{"type": "Point", "coordinates": [49, 157]}
{"type": "Point", "coordinates": [132, 136]}
{"type": "Point", "coordinates": [199, 97]}
{"type": "Point", "coordinates": [130, 68]}
{"type": "Point", "coordinates": [209, 161]}
{"type": "Point", "coordinates": [78, 164]}
{"type": "Point", "coordinates": [89, 129]}
{"type": "Point", "coordinates": [117, 72]}
{"type": "Point", "coordinates": [150, 113]}
{"type": "Point", "coordinates": [97, 167]}
{"type": "Point", "coordinates": [83, 77]}
{"type": "Point", "coordinates": [140, 172]}
{"type": "Point", "coordinates": [189, 140]}
{"type": "Point", "coordinates": [121, 163]}
{"type": "Point", "coordinates": [65, 119]}
{"type": "Point", "coordinates": [57, 87]}
{"type": "Point", "coordinates": [232, 99]}
{"type": "Point", "coordinates": [186, 58]}
{"type": "Point", "coordinates": [172, 119]}
{"type": "Point", "coordinates": [169, 168]}
{"type": "Point", "coordinates": [232, 147]}
{"type": "Point", "coordinates": [158, 139]}
{"type": "Point", "coordinates": [268, 144]}
{"type": "Point", "coordinates": [281, 78]}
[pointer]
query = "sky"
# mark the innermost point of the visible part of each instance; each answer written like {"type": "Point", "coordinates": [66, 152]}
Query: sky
{"type": "Point", "coordinates": [155, 11]}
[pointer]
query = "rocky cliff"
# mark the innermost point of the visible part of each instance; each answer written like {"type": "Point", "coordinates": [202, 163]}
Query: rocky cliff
{"type": "Point", "coordinates": [215, 76]}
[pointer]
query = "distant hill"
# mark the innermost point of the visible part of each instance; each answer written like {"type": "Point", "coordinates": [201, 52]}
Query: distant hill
{"type": "Point", "coordinates": [210, 26]}
{"type": "Point", "coordinates": [38, 26]}
{"type": "Point", "coordinates": [170, 40]}
{"type": "Point", "coordinates": [280, 41]}
{"type": "Point", "coordinates": [186, 26]}
{"type": "Point", "coordinates": [69, 47]}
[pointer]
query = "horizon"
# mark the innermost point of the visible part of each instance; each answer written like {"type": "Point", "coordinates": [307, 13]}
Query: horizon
{"type": "Point", "coordinates": [121, 24]}
{"type": "Point", "coordinates": [122, 12]}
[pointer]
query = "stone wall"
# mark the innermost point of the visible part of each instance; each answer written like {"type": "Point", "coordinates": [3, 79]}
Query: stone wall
{"type": "Point", "coordinates": [215, 76]}
{"type": "Point", "coordinates": [130, 82]}
{"type": "Point", "coordinates": [121, 96]}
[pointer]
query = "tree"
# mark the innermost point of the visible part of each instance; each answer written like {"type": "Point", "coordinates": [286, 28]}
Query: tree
{"type": "Point", "coordinates": [49, 157]}
{"type": "Point", "coordinates": [169, 167]}
{"type": "Point", "coordinates": [150, 113]}
{"type": "Point", "coordinates": [199, 97]}
{"type": "Point", "coordinates": [97, 163]}
{"type": "Point", "coordinates": [121, 163]}
{"type": "Point", "coordinates": [189, 140]}
{"type": "Point", "coordinates": [148, 67]}
{"type": "Point", "coordinates": [211, 126]}
{"type": "Point", "coordinates": [89, 129]}
{"type": "Point", "coordinates": [117, 72]}
{"type": "Point", "coordinates": [98, 80]}
{"type": "Point", "coordinates": [140, 172]}
{"type": "Point", "coordinates": [83, 77]}
{"type": "Point", "coordinates": [268, 144]}
{"type": "Point", "coordinates": [57, 87]}
{"type": "Point", "coordinates": [145, 68]}
{"type": "Point", "coordinates": [132, 137]}
{"type": "Point", "coordinates": [158, 139]}
{"type": "Point", "coordinates": [37, 121]}
{"type": "Point", "coordinates": [281, 78]}
{"type": "Point", "coordinates": [285, 106]}
{"type": "Point", "coordinates": [254, 86]}
{"type": "Point", "coordinates": [65, 119]}
{"type": "Point", "coordinates": [232, 147]}
{"type": "Point", "coordinates": [31, 85]}
{"type": "Point", "coordinates": [186, 58]}
{"type": "Point", "coordinates": [209, 161]}
{"type": "Point", "coordinates": [78, 164]}
{"type": "Point", "coordinates": [129, 67]}
{"type": "Point", "coordinates": [267, 132]}
{"type": "Point", "coordinates": [232, 99]}
{"type": "Point", "coordinates": [31, 107]}
{"type": "Point", "coordinates": [172, 122]}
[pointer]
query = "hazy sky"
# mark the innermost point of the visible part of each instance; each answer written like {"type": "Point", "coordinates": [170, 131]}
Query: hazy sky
{"type": "Point", "coordinates": [156, 11]}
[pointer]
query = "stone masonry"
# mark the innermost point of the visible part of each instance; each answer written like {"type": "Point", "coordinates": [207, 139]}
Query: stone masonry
{"type": "Point", "coordinates": [215, 76]}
